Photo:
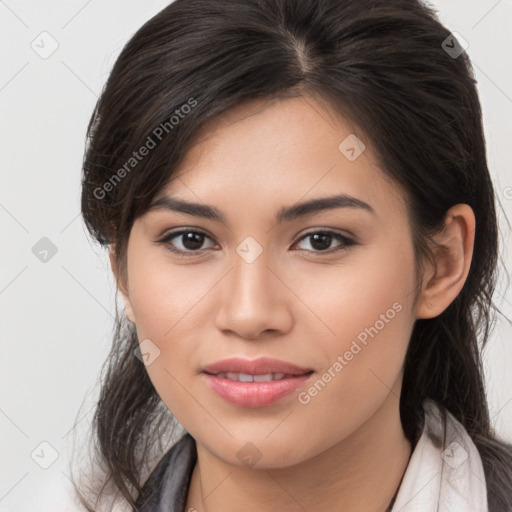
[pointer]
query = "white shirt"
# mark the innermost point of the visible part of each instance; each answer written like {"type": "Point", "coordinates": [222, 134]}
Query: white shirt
{"type": "Point", "coordinates": [445, 472]}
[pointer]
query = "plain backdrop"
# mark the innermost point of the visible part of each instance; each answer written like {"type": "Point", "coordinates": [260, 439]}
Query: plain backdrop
{"type": "Point", "coordinates": [57, 315]}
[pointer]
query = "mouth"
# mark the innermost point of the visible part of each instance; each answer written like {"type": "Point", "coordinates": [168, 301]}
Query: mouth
{"type": "Point", "coordinates": [255, 367]}
{"type": "Point", "coordinates": [256, 383]}
{"type": "Point", "coordinates": [247, 377]}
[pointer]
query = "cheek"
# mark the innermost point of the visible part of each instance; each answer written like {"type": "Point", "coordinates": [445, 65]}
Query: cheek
{"type": "Point", "coordinates": [363, 360]}
{"type": "Point", "coordinates": [371, 288]}
{"type": "Point", "coordinates": [164, 296]}
{"type": "Point", "coordinates": [366, 324]}
{"type": "Point", "coordinates": [168, 303]}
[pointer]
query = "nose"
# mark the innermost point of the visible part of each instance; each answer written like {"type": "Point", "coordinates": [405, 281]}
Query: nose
{"type": "Point", "coordinates": [254, 300]}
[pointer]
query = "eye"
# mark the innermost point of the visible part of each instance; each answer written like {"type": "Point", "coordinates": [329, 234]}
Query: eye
{"type": "Point", "coordinates": [321, 241]}
{"type": "Point", "coordinates": [191, 242]}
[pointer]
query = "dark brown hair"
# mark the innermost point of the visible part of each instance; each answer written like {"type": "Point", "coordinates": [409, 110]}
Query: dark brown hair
{"type": "Point", "coordinates": [380, 63]}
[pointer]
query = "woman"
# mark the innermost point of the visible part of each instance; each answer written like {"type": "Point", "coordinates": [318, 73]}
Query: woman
{"type": "Point", "coordinates": [230, 140]}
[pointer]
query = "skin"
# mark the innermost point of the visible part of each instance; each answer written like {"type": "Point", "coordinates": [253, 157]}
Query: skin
{"type": "Point", "coordinates": [295, 302]}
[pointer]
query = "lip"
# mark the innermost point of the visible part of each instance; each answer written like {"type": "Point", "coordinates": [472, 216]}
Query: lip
{"type": "Point", "coordinates": [258, 366]}
{"type": "Point", "coordinates": [255, 394]}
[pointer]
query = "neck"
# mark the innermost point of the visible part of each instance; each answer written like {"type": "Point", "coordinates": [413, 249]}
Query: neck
{"type": "Point", "coordinates": [362, 472]}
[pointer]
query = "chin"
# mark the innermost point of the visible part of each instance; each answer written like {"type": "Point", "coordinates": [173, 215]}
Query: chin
{"type": "Point", "coordinates": [258, 452]}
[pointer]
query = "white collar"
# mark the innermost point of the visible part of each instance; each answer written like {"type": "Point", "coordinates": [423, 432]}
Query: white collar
{"type": "Point", "coordinates": [445, 472]}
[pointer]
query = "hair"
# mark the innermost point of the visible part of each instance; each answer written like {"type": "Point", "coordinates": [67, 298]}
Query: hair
{"type": "Point", "coordinates": [379, 63]}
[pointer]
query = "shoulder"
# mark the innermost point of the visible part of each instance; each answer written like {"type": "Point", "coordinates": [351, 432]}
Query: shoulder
{"type": "Point", "coordinates": [445, 469]}
{"type": "Point", "coordinates": [467, 455]}
{"type": "Point", "coordinates": [497, 461]}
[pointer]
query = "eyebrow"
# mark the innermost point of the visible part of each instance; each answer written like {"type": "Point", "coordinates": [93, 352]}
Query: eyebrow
{"type": "Point", "coordinates": [285, 214]}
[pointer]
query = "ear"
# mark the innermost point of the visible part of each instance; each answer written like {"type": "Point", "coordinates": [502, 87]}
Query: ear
{"type": "Point", "coordinates": [121, 285]}
{"type": "Point", "coordinates": [453, 250]}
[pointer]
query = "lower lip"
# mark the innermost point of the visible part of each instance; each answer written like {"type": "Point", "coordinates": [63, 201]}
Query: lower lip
{"type": "Point", "coordinates": [254, 394]}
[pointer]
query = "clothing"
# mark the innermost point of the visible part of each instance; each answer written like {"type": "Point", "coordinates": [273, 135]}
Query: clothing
{"type": "Point", "coordinates": [444, 474]}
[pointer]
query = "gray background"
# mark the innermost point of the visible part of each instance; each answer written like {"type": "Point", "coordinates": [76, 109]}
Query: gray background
{"type": "Point", "coordinates": [57, 315]}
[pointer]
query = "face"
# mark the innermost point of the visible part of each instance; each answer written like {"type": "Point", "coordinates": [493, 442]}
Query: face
{"type": "Point", "coordinates": [325, 293]}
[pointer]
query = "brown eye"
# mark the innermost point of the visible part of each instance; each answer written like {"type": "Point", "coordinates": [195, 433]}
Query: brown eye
{"type": "Point", "coordinates": [188, 241]}
{"type": "Point", "coordinates": [321, 241]}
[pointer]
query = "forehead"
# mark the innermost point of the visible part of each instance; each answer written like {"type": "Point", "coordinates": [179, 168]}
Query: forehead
{"type": "Point", "coordinates": [265, 152]}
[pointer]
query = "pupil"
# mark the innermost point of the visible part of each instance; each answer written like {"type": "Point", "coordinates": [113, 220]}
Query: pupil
{"type": "Point", "coordinates": [322, 237]}
{"type": "Point", "coordinates": [192, 240]}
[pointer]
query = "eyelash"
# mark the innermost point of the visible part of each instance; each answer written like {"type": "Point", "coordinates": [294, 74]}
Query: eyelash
{"type": "Point", "coordinates": [345, 242]}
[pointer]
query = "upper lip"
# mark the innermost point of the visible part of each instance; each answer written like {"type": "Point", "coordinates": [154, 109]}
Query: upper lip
{"type": "Point", "coordinates": [261, 366]}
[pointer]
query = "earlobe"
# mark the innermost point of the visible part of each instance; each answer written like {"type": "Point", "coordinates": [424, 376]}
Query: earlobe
{"type": "Point", "coordinates": [128, 311]}
{"type": "Point", "coordinates": [452, 251]}
{"type": "Point", "coordinates": [121, 286]}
